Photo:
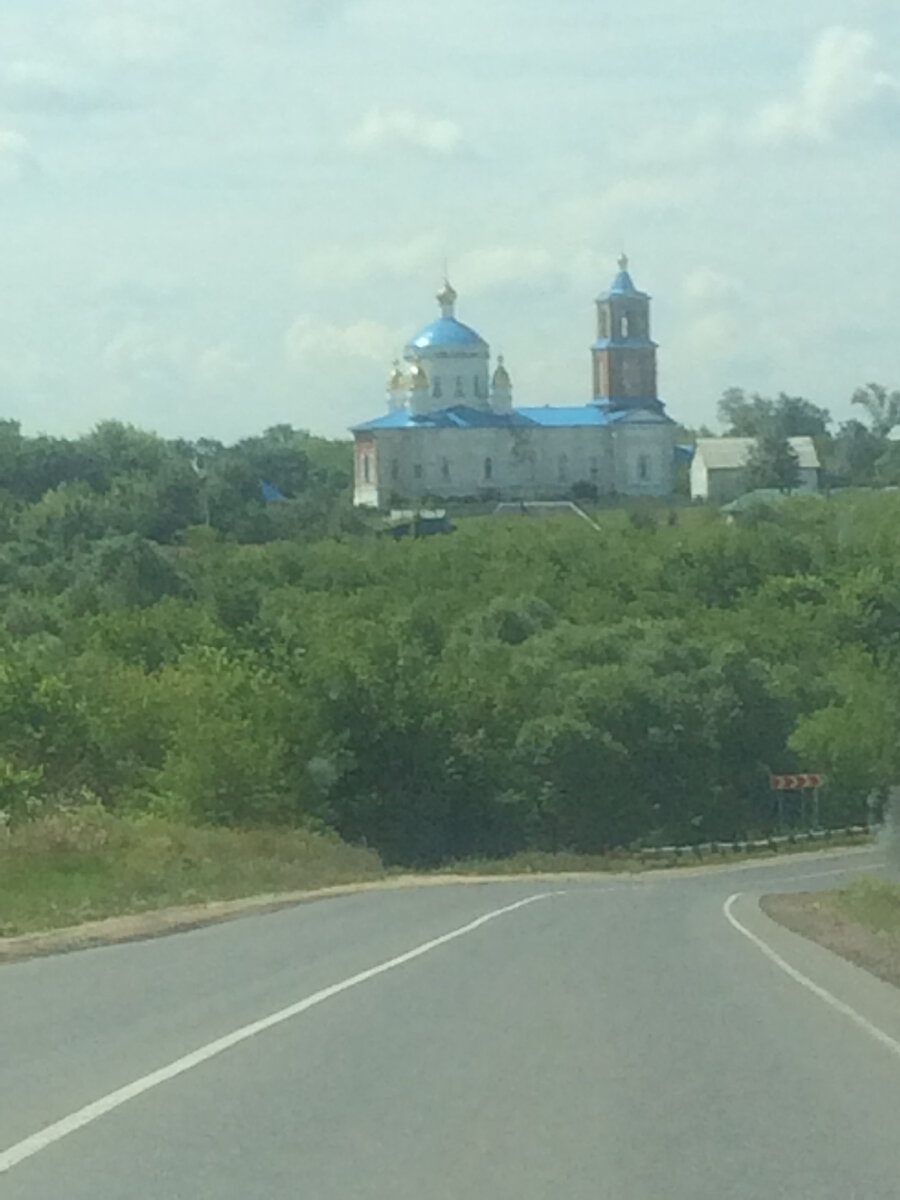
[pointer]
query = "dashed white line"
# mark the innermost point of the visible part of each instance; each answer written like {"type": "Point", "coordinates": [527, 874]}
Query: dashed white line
{"type": "Point", "coordinates": [829, 998]}
{"type": "Point", "coordinates": [106, 1104]}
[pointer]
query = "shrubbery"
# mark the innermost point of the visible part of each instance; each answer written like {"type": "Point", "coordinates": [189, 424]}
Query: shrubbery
{"type": "Point", "coordinates": [519, 685]}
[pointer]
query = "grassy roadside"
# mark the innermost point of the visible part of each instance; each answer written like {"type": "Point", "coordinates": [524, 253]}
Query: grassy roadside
{"type": "Point", "coordinates": [85, 865]}
{"type": "Point", "coordinates": [860, 922]}
{"type": "Point", "coordinates": [874, 903]}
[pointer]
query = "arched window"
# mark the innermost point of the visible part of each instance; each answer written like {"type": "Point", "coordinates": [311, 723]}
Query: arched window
{"type": "Point", "coordinates": [395, 470]}
{"type": "Point", "coordinates": [437, 391]}
{"type": "Point", "coordinates": [489, 468]}
{"type": "Point", "coordinates": [367, 470]}
{"type": "Point", "coordinates": [626, 325]}
{"type": "Point", "coordinates": [644, 468]}
{"type": "Point", "coordinates": [604, 322]}
{"type": "Point", "coordinates": [445, 468]}
{"type": "Point", "coordinates": [460, 387]}
{"type": "Point", "coordinates": [563, 466]}
{"type": "Point", "coordinates": [476, 388]}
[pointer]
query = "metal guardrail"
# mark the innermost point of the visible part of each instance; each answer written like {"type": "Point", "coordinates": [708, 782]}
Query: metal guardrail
{"type": "Point", "coordinates": [740, 846]}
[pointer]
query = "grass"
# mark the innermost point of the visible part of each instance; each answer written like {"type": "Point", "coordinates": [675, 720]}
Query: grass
{"type": "Point", "coordinates": [85, 864]}
{"type": "Point", "coordinates": [871, 902]}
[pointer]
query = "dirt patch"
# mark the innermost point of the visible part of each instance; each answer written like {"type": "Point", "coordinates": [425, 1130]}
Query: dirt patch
{"type": "Point", "coordinates": [813, 916]}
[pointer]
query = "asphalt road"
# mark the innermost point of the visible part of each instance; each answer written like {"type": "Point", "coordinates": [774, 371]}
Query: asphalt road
{"type": "Point", "coordinates": [619, 1039]}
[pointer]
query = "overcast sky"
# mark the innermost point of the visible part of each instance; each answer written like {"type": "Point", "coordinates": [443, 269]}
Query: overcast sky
{"type": "Point", "coordinates": [218, 215]}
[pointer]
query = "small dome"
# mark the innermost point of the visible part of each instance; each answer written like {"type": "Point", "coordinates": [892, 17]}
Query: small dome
{"type": "Point", "coordinates": [397, 380]}
{"type": "Point", "coordinates": [417, 378]}
{"type": "Point", "coordinates": [501, 375]}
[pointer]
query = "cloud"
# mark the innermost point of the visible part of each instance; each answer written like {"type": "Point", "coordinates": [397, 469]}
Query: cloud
{"type": "Point", "coordinates": [841, 88]}
{"type": "Point", "coordinates": [310, 340]}
{"type": "Point", "coordinates": [18, 162]}
{"type": "Point", "coordinates": [494, 266]}
{"type": "Point", "coordinates": [133, 32]}
{"type": "Point", "coordinates": [148, 357]}
{"type": "Point", "coordinates": [706, 286]}
{"type": "Point", "coordinates": [401, 127]}
{"type": "Point", "coordinates": [339, 266]}
{"type": "Point", "coordinates": [30, 85]}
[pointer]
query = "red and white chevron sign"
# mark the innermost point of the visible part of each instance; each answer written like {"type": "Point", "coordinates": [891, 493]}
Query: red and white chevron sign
{"type": "Point", "coordinates": [793, 783]}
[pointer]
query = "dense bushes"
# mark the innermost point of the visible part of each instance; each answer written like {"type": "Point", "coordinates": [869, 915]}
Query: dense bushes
{"type": "Point", "coordinates": [521, 684]}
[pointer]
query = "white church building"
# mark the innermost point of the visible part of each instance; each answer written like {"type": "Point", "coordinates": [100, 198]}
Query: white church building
{"type": "Point", "coordinates": [452, 431]}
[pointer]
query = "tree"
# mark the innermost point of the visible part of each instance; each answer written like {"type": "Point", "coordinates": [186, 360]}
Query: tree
{"type": "Point", "coordinates": [882, 406]}
{"type": "Point", "coordinates": [786, 416]}
{"type": "Point", "coordinates": [772, 463]}
{"type": "Point", "coordinates": [743, 415]}
{"type": "Point", "coordinates": [852, 455]}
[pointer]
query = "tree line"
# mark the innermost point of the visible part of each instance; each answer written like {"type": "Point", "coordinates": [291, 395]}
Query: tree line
{"type": "Point", "coordinates": [172, 643]}
{"type": "Point", "coordinates": [859, 453]}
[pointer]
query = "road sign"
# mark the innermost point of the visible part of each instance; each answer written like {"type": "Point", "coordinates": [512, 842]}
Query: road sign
{"type": "Point", "coordinates": [794, 783]}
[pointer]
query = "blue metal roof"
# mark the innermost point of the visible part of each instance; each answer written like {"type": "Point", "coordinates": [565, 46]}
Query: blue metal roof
{"type": "Point", "coordinates": [446, 331]}
{"type": "Point", "coordinates": [623, 285]}
{"type": "Point", "coordinates": [553, 416]}
{"type": "Point", "coordinates": [461, 416]}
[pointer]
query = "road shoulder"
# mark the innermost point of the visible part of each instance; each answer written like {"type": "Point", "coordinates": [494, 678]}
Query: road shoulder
{"type": "Point", "coordinates": [812, 916]}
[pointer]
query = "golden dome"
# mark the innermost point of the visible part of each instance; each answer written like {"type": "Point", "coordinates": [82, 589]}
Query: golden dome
{"type": "Point", "coordinates": [417, 377]}
{"type": "Point", "coordinates": [397, 380]}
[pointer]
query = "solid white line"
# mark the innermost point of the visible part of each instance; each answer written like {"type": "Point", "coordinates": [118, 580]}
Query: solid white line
{"type": "Point", "coordinates": [798, 977]}
{"type": "Point", "coordinates": [99, 1108]}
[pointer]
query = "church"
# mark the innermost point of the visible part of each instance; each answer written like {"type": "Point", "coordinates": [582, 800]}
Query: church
{"type": "Point", "coordinates": [452, 432]}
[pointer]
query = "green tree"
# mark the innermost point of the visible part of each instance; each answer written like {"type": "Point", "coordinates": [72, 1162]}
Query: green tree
{"type": "Point", "coordinates": [772, 463]}
{"type": "Point", "coordinates": [881, 405]}
{"type": "Point", "coordinates": [756, 416]}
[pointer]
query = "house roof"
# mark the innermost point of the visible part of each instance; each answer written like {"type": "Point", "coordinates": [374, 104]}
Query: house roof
{"type": "Point", "coordinates": [731, 453]}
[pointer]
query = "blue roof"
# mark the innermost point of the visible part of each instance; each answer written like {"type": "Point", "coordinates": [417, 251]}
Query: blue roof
{"type": "Point", "coordinates": [446, 331]}
{"type": "Point", "coordinates": [461, 416]}
{"type": "Point", "coordinates": [623, 285]}
{"type": "Point", "coordinates": [552, 416]}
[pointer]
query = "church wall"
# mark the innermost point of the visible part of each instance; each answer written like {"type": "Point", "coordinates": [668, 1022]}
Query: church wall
{"type": "Point", "coordinates": [365, 492]}
{"type": "Point", "coordinates": [514, 462]}
{"type": "Point", "coordinates": [644, 459]}
{"type": "Point", "coordinates": [460, 377]}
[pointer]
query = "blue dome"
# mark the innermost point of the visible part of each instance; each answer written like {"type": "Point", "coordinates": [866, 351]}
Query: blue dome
{"type": "Point", "coordinates": [446, 331]}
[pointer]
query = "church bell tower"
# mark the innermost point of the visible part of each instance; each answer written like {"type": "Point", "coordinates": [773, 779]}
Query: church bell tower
{"type": "Point", "coordinates": [624, 356]}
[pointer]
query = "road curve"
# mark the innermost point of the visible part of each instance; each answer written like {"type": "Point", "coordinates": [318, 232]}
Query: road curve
{"type": "Point", "coordinates": [619, 1038]}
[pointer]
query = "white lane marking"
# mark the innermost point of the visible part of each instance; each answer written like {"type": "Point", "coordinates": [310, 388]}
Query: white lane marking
{"type": "Point", "coordinates": [798, 977]}
{"type": "Point", "coordinates": [106, 1104]}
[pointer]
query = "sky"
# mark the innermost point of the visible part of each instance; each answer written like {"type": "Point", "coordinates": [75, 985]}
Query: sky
{"type": "Point", "coordinates": [222, 215]}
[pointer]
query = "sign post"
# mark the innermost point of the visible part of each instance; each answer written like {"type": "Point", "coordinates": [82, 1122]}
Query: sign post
{"type": "Point", "coordinates": [802, 783]}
